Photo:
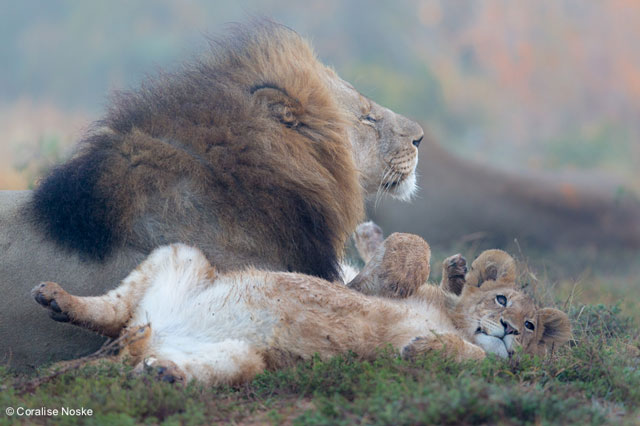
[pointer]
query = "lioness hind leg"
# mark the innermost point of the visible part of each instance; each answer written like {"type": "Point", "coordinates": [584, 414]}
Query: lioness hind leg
{"type": "Point", "coordinates": [449, 344]}
{"type": "Point", "coordinates": [454, 270]}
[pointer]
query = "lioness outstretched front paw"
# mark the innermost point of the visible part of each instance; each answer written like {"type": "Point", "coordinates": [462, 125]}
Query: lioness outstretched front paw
{"type": "Point", "coordinates": [51, 296]}
{"type": "Point", "coordinates": [454, 270]}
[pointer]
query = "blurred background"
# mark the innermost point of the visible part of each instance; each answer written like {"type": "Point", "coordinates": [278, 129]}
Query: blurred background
{"type": "Point", "coordinates": [533, 109]}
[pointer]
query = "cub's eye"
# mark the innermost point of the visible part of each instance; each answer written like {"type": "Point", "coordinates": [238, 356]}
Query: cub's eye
{"type": "Point", "coordinates": [529, 325]}
{"type": "Point", "coordinates": [501, 300]}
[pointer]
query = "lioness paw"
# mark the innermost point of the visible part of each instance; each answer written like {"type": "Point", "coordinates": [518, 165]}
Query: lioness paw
{"type": "Point", "coordinates": [48, 294]}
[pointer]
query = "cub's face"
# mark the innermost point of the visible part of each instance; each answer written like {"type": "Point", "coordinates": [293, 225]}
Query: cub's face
{"type": "Point", "coordinates": [499, 318]}
{"type": "Point", "coordinates": [384, 144]}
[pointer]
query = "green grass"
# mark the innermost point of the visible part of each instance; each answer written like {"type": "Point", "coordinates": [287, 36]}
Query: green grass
{"type": "Point", "coordinates": [594, 380]}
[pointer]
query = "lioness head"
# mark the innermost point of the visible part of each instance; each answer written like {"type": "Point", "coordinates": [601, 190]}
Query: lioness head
{"type": "Point", "coordinates": [499, 317]}
{"type": "Point", "coordinates": [384, 143]}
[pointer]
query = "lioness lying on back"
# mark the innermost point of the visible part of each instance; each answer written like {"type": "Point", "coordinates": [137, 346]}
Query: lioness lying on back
{"type": "Point", "coordinates": [226, 328]}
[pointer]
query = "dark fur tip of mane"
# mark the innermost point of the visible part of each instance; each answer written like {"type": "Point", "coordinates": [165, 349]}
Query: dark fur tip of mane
{"type": "Point", "coordinates": [66, 206]}
{"type": "Point", "coordinates": [76, 209]}
{"type": "Point", "coordinates": [315, 242]}
{"type": "Point", "coordinates": [325, 265]}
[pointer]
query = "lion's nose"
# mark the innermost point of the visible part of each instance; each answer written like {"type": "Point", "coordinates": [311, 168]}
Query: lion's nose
{"type": "Point", "coordinates": [508, 328]}
{"type": "Point", "coordinates": [409, 131]}
{"type": "Point", "coordinates": [416, 142]}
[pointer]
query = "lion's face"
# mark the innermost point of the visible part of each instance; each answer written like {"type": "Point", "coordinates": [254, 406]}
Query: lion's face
{"type": "Point", "coordinates": [499, 317]}
{"type": "Point", "coordinates": [384, 144]}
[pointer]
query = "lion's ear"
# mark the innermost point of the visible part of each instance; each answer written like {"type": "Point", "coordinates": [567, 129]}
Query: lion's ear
{"type": "Point", "coordinates": [555, 325]}
{"type": "Point", "coordinates": [282, 106]}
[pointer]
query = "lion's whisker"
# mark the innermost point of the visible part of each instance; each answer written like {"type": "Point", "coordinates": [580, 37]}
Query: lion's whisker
{"type": "Point", "coordinates": [381, 187]}
{"type": "Point", "coordinates": [384, 187]}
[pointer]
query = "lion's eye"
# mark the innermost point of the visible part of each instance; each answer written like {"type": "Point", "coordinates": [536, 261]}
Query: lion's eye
{"type": "Point", "coordinates": [529, 325]}
{"type": "Point", "coordinates": [370, 118]}
{"type": "Point", "coordinates": [501, 300]}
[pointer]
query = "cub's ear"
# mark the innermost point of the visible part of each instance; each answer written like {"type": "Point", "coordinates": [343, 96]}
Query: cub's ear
{"type": "Point", "coordinates": [492, 265]}
{"type": "Point", "coordinates": [283, 107]}
{"type": "Point", "coordinates": [554, 326]}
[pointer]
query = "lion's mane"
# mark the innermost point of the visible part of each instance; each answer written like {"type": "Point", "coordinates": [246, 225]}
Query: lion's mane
{"type": "Point", "coordinates": [245, 144]}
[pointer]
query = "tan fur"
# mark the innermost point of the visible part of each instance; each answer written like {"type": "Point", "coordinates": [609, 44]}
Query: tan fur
{"type": "Point", "coordinates": [396, 268]}
{"type": "Point", "coordinates": [246, 321]}
{"type": "Point", "coordinates": [492, 265]}
{"type": "Point", "coordinates": [368, 237]}
{"type": "Point", "coordinates": [256, 153]}
{"type": "Point", "coordinates": [449, 344]}
{"type": "Point", "coordinates": [469, 296]}
{"type": "Point", "coordinates": [308, 157]}
{"type": "Point", "coordinates": [259, 154]}
{"type": "Point", "coordinates": [493, 274]}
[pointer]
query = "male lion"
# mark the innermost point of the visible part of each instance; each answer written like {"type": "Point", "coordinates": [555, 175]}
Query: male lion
{"type": "Point", "coordinates": [188, 321]}
{"type": "Point", "coordinates": [256, 153]}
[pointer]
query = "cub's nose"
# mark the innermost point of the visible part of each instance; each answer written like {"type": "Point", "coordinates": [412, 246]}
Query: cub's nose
{"type": "Point", "coordinates": [508, 328]}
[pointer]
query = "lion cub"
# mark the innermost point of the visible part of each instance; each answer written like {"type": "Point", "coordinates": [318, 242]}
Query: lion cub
{"type": "Point", "coordinates": [193, 323]}
{"type": "Point", "coordinates": [483, 302]}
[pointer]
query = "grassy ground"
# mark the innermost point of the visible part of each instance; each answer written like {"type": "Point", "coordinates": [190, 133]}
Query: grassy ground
{"type": "Point", "coordinates": [594, 380]}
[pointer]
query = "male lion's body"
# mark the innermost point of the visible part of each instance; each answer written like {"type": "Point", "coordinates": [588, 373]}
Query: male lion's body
{"type": "Point", "coordinates": [190, 322]}
{"type": "Point", "coordinates": [257, 154]}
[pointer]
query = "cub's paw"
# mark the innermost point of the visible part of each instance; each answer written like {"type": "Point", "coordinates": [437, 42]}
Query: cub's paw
{"type": "Point", "coordinates": [51, 296]}
{"type": "Point", "coordinates": [455, 266]}
{"type": "Point", "coordinates": [165, 371]}
{"type": "Point", "coordinates": [449, 345]}
{"type": "Point", "coordinates": [368, 238]}
{"type": "Point", "coordinates": [454, 270]}
{"type": "Point", "coordinates": [472, 351]}
{"type": "Point", "coordinates": [445, 343]}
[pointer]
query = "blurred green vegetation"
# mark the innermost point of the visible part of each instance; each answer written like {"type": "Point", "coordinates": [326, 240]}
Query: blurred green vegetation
{"type": "Point", "coordinates": [34, 161]}
{"type": "Point", "coordinates": [538, 83]}
{"type": "Point", "coordinates": [592, 149]}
